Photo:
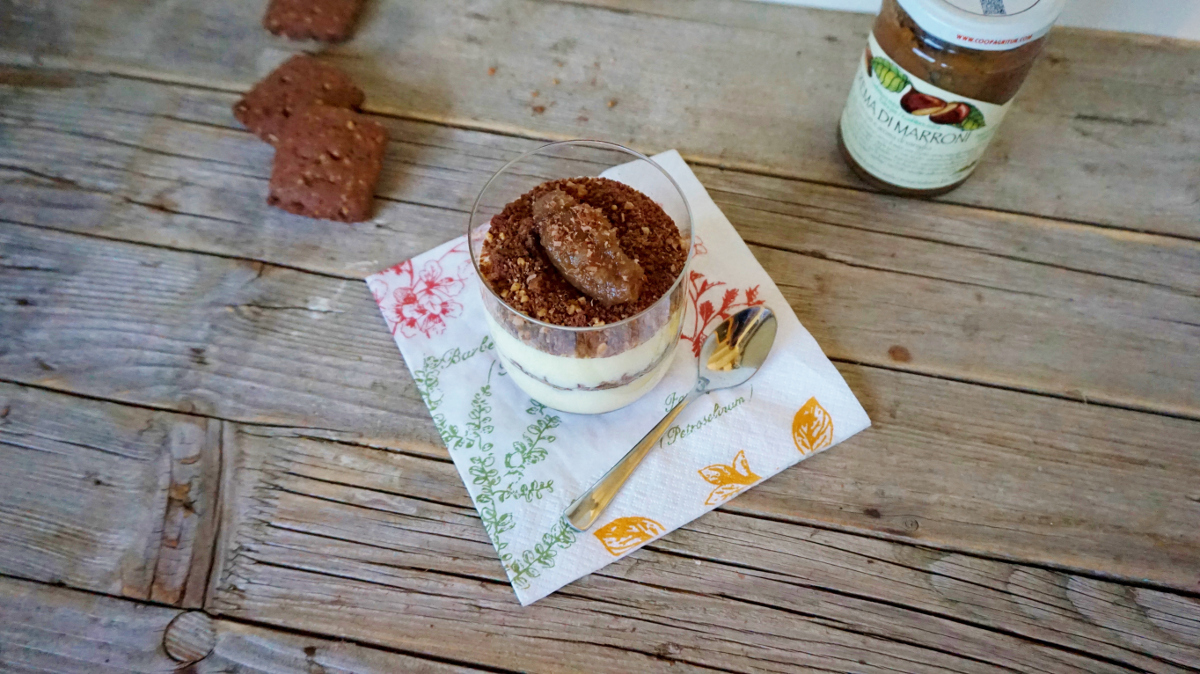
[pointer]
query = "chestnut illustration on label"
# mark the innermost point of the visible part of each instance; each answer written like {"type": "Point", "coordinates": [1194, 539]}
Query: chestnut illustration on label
{"type": "Point", "coordinates": [955, 113]}
{"type": "Point", "coordinates": [917, 103]}
{"type": "Point", "coordinates": [938, 111]}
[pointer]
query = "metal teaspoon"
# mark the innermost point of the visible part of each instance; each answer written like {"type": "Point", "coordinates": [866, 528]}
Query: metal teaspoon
{"type": "Point", "coordinates": [734, 351]}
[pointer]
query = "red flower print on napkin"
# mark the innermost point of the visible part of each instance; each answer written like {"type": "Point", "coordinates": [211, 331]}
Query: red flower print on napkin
{"type": "Point", "coordinates": [420, 302]}
{"type": "Point", "coordinates": [705, 313]}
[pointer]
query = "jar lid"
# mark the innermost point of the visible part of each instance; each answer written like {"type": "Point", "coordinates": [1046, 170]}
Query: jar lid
{"type": "Point", "coordinates": [993, 25]}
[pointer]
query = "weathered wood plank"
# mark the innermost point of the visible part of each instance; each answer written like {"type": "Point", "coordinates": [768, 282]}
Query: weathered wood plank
{"type": "Point", "coordinates": [957, 292]}
{"type": "Point", "coordinates": [1049, 474]}
{"type": "Point", "coordinates": [1105, 130]}
{"type": "Point", "coordinates": [967, 467]}
{"type": "Point", "coordinates": [48, 629]}
{"type": "Point", "coordinates": [190, 144]}
{"type": "Point", "coordinates": [201, 334]}
{"type": "Point", "coordinates": [361, 528]}
{"type": "Point", "coordinates": [106, 497]}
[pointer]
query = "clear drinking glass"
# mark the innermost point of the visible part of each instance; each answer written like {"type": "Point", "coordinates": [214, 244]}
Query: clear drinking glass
{"type": "Point", "coordinates": [586, 370]}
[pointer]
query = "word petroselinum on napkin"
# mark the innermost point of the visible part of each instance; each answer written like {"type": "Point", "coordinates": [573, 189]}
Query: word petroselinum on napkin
{"type": "Point", "coordinates": [523, 462]}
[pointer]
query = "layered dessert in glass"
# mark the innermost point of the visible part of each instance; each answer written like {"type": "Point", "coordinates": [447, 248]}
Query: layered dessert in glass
{"type": "Point", "coordinates": [582, 275]}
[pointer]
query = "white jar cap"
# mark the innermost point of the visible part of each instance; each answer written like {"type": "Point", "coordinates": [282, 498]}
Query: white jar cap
{"type": "Point", "coordinates": [994, 25]}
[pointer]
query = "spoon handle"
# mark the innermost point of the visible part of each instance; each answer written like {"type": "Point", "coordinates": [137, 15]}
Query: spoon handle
{"type": "Point", "coordinates": [583, 511]}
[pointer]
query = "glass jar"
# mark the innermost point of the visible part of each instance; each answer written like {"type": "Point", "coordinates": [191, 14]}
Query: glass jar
{"type": "Point", "coordinates": [594, 369]}
{"type": "Point", "coordinates": [937, 78]}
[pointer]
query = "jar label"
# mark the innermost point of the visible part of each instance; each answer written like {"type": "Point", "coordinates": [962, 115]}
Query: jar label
{"type": "Point", "coordinates": [907, 132]}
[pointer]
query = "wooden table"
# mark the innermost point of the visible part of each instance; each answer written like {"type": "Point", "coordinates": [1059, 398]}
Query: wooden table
{"type": "Point", "coordinates": [202, 415]}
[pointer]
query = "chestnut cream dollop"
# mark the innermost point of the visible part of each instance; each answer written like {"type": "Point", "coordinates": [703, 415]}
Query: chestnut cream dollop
{"type": "Point", "coordinates": [584, 247]}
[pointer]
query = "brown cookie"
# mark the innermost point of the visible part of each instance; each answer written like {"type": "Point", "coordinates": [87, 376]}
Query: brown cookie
{"type": "Point", "coordinates": [328, 20]}
{"type": "Point", "coordinates": [301, 81]}
{"type": "Point", "coordinates": [327, 163]}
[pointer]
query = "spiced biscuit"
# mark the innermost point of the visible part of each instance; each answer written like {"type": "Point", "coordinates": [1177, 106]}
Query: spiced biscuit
{"type": "Point", "coordinates": [327, 20]}
{"type": "Point", "coordinates": [301, 81]}
{"type": "Point", "coordinates": [327, 163]}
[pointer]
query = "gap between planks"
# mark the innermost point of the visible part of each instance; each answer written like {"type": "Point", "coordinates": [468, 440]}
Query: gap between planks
{"type": "Point", "coordinates": [797, 582]}
{"type": "Point", "coordinates": [526, 133]}
{"type": "Point", "coordinates": [1087, 125]}
{"type": "Point", "coordinates": [346, 277]}
{"type": "Point", "coordinates": [218, 660]}
{"type": "Point", "coordinates": [451, 480]}
{"type": "Point", "coordinates": [423, 410]}
{"type": "Point", "coordinates": [815, 524]}
{"type": "Point", "coordinates": [307, 433]}
{"type": "Point", "coordinates": [761, 206]}
{"type": "Point", "coordinates": [276, 474]}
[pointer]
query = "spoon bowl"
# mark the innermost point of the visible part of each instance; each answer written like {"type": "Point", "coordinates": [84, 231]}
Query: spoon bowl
{"type": "Point", "coordinates": [738, 346]}
{"type": "Point", "coordinates": [731, 354]}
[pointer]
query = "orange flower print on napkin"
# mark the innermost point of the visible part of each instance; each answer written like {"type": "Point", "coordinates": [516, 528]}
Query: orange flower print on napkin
{"type": "Point", "coordinates": [812, 429]}
{"type": "Point", "coordinates": [626, 533]}
{"type": "Point", "coordinates": [729, 479]}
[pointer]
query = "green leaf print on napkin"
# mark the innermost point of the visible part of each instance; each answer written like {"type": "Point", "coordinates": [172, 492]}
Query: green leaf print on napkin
{"type": "Point", "coordinates": [494, 522]}
{"type": "Point", "coordinates": [560, 537]}
{"type": "Point", "coordinates": [528, 451]}
{"type": "Point", "coordinates": [486, 474]}
{"type": "Point", "coordinates": [429, 386]}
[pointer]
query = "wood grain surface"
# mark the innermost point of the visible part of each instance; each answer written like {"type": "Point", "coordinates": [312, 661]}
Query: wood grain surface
{"type": "Point", "coordinates": [1014, 301]}
{"type": "Point", "coordinates": [1105, 131]}
{"type": "Point", "coordinates": [200, 406]}
{"type": "Point", "coordinates": [107, 497]}
{"type": "Point", "coordinates": [329, 534]}
{"type": "Point", "coordinates": [50, 629]}
{"type": "Point", "coordinates": [1029, 477]}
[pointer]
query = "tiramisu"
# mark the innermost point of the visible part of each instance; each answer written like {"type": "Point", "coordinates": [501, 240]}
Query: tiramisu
{"type": "Point", "coordinates": [584, 301]}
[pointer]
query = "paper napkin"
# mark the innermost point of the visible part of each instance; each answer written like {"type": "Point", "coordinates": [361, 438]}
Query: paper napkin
{"type": "Point", "coordinates": [523, 463]}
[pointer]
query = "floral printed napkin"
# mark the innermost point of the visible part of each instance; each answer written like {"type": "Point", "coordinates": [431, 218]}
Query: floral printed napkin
{"type": "Point", "coordinates": [523, 463]}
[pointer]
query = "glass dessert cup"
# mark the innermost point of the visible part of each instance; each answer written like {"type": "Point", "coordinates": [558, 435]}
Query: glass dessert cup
{"type": "Point", "coordinates": [593, 369]}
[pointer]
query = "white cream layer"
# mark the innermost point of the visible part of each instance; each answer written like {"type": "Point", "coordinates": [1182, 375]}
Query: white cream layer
{"type": "Point", "coordinates": [586, 402]}
{"type": "Point", "coordinates": [567, 372]}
